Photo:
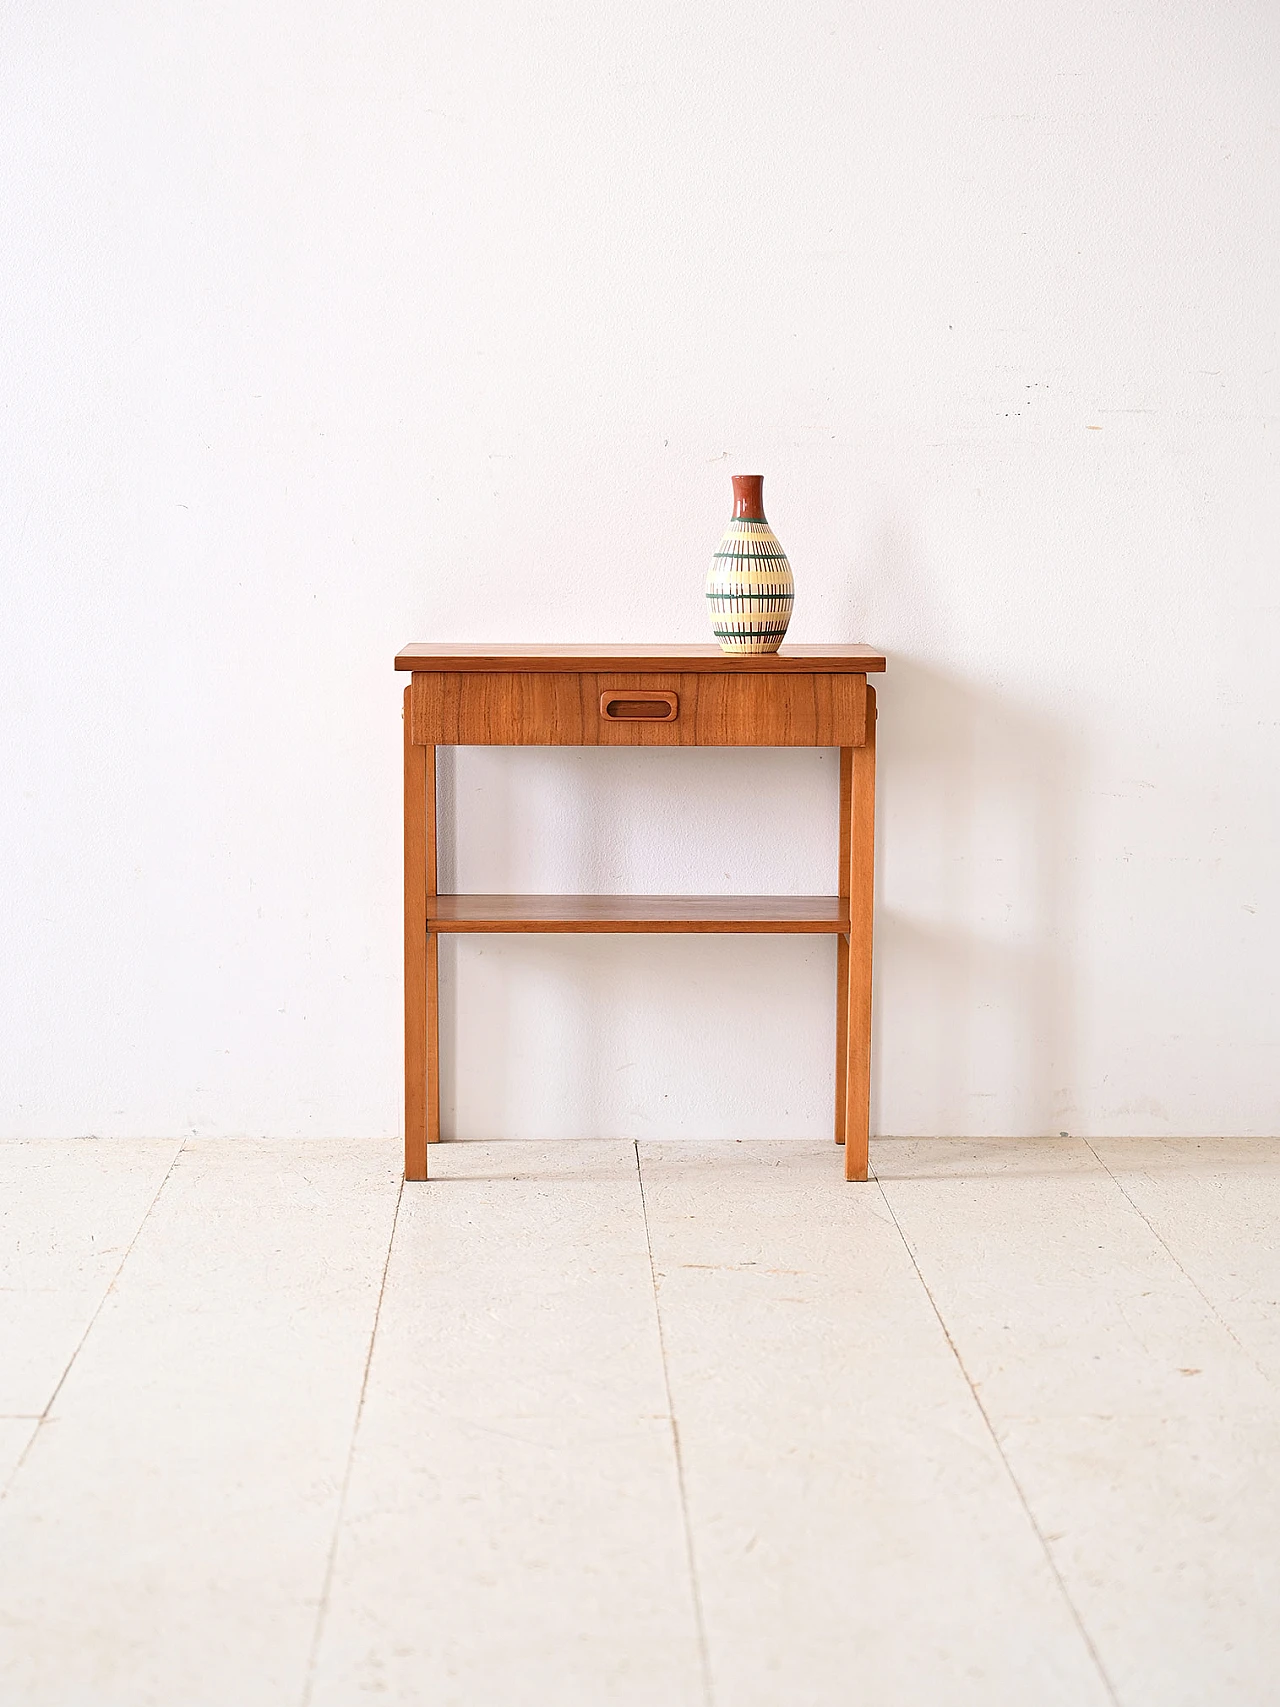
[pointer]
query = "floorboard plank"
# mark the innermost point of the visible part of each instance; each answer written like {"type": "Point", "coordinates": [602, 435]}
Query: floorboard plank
{"type": "Point", "coordinates": [513, 1531]}
{"type": "Point", "coordinates": [855, 1532]}
{"type": "Point", "coordinates": [69, 1209]}
{"type": "Point", "coordinates": [167, 1536]}
{"type": "Point", "coordinates": [1215, 1203]}
{"type": "Point", "coordinates": [16, 1434]}
{"type": "Point", "coordinates": [1142, 1433]}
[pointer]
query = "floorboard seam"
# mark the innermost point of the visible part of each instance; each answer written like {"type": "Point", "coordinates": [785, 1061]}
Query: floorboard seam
{"type": "Point", "coordinates": [331, 1561]}
{"type": "Point", "coordinates": [107, 1290]}
{"type": "Point", "coordinates": [996, 1442]}
{"type": "Point", "coordinates": [695, 1592]}
{"type": "Point", "coordinates": [1186, 1275]}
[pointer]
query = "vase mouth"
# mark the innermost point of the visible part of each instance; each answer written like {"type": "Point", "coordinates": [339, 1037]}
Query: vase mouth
{"type": "Point", "coordinates": [748, 497]}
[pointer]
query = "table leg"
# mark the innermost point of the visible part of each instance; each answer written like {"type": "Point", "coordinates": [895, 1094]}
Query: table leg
{"type": "Point", "coordinates": [842, 946]}
{"type": "Point", "coordinates": [860, 866]}
{"type": "Point", "coordinates": [421, 1027]}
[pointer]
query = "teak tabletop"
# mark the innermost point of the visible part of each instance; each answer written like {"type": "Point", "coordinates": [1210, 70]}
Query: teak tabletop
{"type": "Point", "coordinates": [703, 659]}
{"type": "Point", "coordinates": [639, 696]}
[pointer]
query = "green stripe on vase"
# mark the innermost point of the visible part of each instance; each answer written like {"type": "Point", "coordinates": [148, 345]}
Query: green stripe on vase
{"type": "Point", "coordinates": [750, 589]}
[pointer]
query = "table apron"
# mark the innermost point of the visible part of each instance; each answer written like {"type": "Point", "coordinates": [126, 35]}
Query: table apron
{"type": "Point", "coordinates": [569, 708]}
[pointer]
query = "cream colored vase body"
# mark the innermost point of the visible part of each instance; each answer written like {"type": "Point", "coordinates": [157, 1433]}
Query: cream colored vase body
{"type": "Point", "coordinates": [750, 588]}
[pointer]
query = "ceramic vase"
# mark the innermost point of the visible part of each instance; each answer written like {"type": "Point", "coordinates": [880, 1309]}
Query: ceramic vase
{"type": "Point", "coordinates": [750, 589]}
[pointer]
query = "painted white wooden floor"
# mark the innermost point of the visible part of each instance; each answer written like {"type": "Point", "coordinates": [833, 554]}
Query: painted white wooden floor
{"type": "Point", "coordinates": [698, 1427]}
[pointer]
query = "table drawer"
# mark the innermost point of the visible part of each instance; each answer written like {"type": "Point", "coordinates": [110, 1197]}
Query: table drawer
{"type": "Point", "coordinates": [819, 710]}
{"type": "Point", "coordinates": [530, 709]}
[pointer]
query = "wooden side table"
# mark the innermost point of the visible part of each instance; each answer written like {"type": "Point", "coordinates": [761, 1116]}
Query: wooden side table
{"type": "Point", "coordinates": [636, 696]}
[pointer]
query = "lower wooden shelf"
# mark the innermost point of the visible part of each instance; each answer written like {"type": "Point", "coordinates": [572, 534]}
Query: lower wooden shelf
{"type": "Point", "coordinates": [789, 913]}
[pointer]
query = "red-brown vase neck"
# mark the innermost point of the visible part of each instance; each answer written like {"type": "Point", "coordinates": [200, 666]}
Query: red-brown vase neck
{"type": "Point", "coordinates": [748, 497]}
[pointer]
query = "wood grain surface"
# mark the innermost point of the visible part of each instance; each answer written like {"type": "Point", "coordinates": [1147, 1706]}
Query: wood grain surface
{"type": "Point", "coordinates": [861, 814]}
{"type": "Point", "coordinates": [556, 708]}
{"type": "Point", "coordinates": [419, 951]}
{"type": "Point", "coordinates": [749, 913]}
{"type": "Point", "coordinates": [679, 696]}
{"type": "Point", "coordinates": [441, 655]}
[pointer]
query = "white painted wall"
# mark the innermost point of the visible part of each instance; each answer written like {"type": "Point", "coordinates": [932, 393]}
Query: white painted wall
{"type": "Point", "coordinates": [331, 326]}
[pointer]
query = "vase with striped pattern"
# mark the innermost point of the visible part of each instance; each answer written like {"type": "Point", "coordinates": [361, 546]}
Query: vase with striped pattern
{"type": "Point", "coordinates": [750, 589]}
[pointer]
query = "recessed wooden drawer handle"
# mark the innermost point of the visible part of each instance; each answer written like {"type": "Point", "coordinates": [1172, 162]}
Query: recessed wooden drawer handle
{"type": "Point", "coordinates": [630, 705]}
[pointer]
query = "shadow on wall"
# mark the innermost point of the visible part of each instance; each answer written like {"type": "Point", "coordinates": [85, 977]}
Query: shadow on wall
{"type": "Point", "coordinates": [979, 802]}
{"type": "Point", "coordinates": [640, 1036]}
{"type": "Point", "coordinates": [977, 874]}
{"type": "Point", "coordinates": [581, 981]}
{"type": "Point", "coordinates": [975, 1004]}
{"type": "Point", "coordinates": [580, 987]}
